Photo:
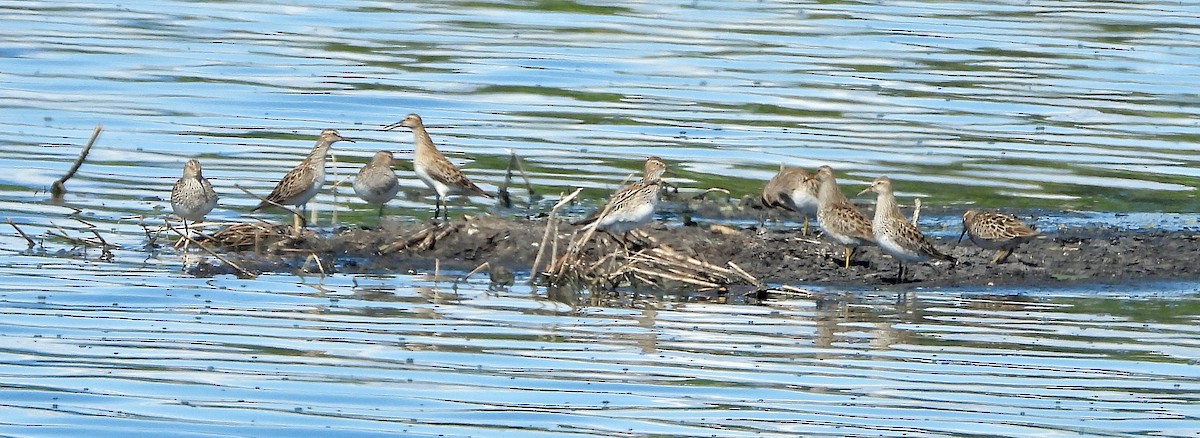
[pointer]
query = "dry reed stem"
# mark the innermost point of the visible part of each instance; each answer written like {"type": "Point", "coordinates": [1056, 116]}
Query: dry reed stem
{"type": "Point", "coordinates": [916, 210]}
{"type": "Point", "coordinates": [79, 241]}
{"type": "Point", "coordinates": [243, 271]}
{"type": "Point", "coordinates": [577, 245]}
{"type": "Point", "coordinates": [551, 228]}
{"type": "Point", "coordinates": [679, 278]}
{"type": "Point", "coordinates": [745, 275]}
{"type": "Point", "coordinates": [481, 267]}
{"type": "Point", "coordinates": [247, 234]}
{"type": "Point", "coordinates": [788, 291]}
{"type": "Point", "coordinates": [320, 267]}
{"type": "Point", "coordinates": [701, 195]}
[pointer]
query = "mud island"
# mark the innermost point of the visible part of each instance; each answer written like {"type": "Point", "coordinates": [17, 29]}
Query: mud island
{"type": "Point", "coordinates": [707, 246]}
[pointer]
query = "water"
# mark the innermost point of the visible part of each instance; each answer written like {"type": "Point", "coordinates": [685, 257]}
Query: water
{"type": "Point", "coordinates": [1054, 105]}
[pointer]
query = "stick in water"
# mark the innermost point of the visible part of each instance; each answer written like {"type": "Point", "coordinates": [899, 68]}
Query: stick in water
{"type": "Point", "coordinates": [59, 187]}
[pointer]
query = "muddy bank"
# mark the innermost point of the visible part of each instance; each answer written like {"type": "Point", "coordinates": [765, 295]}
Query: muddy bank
{"type": "Point", "coordinates": [773, 254]}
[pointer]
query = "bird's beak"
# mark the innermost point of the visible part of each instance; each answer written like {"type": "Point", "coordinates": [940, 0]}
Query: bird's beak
{"type": "Point", "coordinates": [961, 235]}
{"type": "Point", "coordinates": [864, 190]}
{"type": "Point", "coordinates": [393, 126]}
{"type": "Point", "coordinates": [348, 139]}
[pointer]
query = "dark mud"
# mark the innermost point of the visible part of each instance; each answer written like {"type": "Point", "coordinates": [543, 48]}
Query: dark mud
{"type": "Point", "coordinates": [775, 254]}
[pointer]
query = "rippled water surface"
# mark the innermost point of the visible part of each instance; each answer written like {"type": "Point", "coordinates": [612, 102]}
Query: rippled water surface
{"type": "Point", "coordinates": [1056, 105]}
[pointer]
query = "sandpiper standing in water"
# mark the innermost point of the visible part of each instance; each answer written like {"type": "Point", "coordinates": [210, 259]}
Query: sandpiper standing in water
{"type": "Point", "coordinates": [434, 169]}
{"type": "Point", "coordinates": [991, 230]}
{"type": "Point", "coordinates": [193, 196]}
{"type": "Point", "coordinates": [376, 182]}
{"type": "Point", "coordinates": [895, 234]}
{"type": "Point", "coordinates": [634, 205]}
{"type": "Point", "coordinates": [838, 217]}
{"type": "Point", "coordinates": [793, 189]}
{"type": "Point", "coordinates": [304, 181]}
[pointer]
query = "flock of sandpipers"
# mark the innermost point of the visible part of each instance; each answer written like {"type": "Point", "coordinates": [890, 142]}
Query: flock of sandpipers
{"type": "Point", "coordinates": [812, 195]}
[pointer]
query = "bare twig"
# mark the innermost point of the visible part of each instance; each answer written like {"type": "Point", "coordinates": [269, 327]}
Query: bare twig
{"type": "Point", "coordinates": [422, 240]}
{"type": "Point", "coordinates": [22, 233]}
{"type": "Point", "coordinates": [679, 278]}
{"type": "Point", "coordinates": [745, 275]}
{"type": "Point", "coordinates": [525, 176]}
{"type": "Point", "coordinates": [59, 188]}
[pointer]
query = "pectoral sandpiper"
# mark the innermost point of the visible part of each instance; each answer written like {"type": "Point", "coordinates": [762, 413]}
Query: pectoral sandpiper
{"type": "Point", "coordinates": [434, 169]}
{"type": "Point", "coordinates": [376, 182]}
{"type": "Point", "coordinates": [839, 218]}
{"type": "Point", "coordinates": [895, 234]}
{"type": "Point", "coordinates": [634, 205]}
{"type": "Point", "coordinates": [793, 189]}
{"type": "Point", "coordinates": [991, 230]}
{"type": "Point", "coordinates": [193, 196]}
{"type": "Point", "coordinates": [304, 181]}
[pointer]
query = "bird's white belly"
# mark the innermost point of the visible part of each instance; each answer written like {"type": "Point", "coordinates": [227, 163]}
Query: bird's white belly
{"type": "Point", "coordinates": [375, 195]}
{"type": "Point", "coordinates": [805, 202]}
{"type": "Point", "coordinates": [620, 221]}
{"type": "Point", "coordinates": [312, 190]}
{"type": "Point", "coordinates": [437, 186]}
{"type": "Point", "coordinates": [898, 251]}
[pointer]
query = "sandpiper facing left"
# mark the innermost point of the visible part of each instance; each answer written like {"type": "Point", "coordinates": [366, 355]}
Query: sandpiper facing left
{"type": "Point", "coordinates": [793, 189]}
{"type": "Point", "coordinates": [991, 230]}
{"type": "Point", "coordinates": [434, 169]}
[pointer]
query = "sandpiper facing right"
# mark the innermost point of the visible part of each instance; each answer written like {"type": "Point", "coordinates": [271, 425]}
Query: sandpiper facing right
{"type": "Point", "coordinates": [304, 181]}
{"type": "Point", "coordinates": [634, 205]}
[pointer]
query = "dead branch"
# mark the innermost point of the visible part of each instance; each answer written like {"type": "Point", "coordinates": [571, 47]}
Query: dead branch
{"type": "Point", "coordinates": [59, 188]}
{"type": "Point", "coordinates": [22, 233]}
{"type": "Point", "coordinates": [422, 240]}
